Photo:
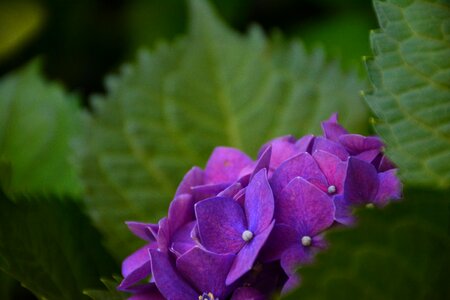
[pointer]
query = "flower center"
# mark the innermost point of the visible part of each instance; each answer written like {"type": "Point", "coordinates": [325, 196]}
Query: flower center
{"type": "Point", "coordinates": [331, 189]}
{"type": "Point", "coordinates": [306, 241]}
{"type": "Point", "coordinates": [247, 235]}
{"type": "Point", "coordinates": [370, 205]}
{"type": "Point", "coordinates": [208, 296]}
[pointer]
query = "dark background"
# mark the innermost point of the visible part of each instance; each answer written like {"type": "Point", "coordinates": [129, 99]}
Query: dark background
{"type": "Point", "coordinates": [81, 41]}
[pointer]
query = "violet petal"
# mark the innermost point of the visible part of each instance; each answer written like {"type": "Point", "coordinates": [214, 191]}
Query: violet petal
{"type": "Point", "coordinates": [356, 143]}
{"type": "Point", "coordinates": [263, 161]}
{"type": "Point", "coordinates": [304, 144]}
{"type": "Point", "coordinates": [259, 205]}
{"type": "Point", "coordinates": [192, 178]}
{"type": "Point", "coordinates": [181, 211]}
{"type": "Point", "coordinates": [246, 257]}
{"type": "Point", "coordinates": [168, 281]}
{"type": "Point", "coordinates": [136, 267]}
{"type": "Point", "coordinates": [361, 182]}
{"type": "Point", "coordinates": [293, 257]}
{"type": "Point", "coordinates": [304, 207]}
{"type": "Point", "coordinates": [221, 222]}
{"type": "Point", "coordinates": [390, 187]}
{"type": "Point", "coordinates": [281, 238]}
{"type": "Point", "coordinates": [141, 230]}
{"type": "Point", "coordinates": [302, 165]}
{"type": "Point", "coordinates": [247, 293]}
{"type": "Point", "coordinates": [225, 164]}
{"type": "Point", "coordinates": [332, 130]}
{"type": "Point", "coordinates": [331, 147]}
{"type": "Point", "coordinates": [206, 270]}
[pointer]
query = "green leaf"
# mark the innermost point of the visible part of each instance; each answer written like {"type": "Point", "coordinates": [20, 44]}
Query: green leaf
{"type": "Point", "coordinates": [37, 121]}
{"type": "Point", "coordinates": [167, 112]}
{"type": "Point", "coordinates": [110, 294]}
{"type": "Point", "coordinates": [19, 22]}
{"type": "Point", "coordinates": [50, 246]}
{"type": "Point", "coordinates": [6, 286]}
{"type": "Point", "coordinates": [396, 253]}
{"type": "Point", "coordinates": [410, 74]}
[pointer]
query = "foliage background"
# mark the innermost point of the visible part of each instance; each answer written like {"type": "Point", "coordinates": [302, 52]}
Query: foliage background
{"type": "Point", "coordinates": [81, 42]}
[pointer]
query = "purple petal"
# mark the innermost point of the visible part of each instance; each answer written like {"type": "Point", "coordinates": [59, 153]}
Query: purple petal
{"type": "Point", "coordinates": [385, 164]}
{"type": "Point", "coordinates": [181, 211]}
{"type": "Point", "coordinates": [163, 238]}
{"type": "Point", "coordinates": [247, 293]}
{"type": "Point", "coordinates": [192, 178]}
{"type": "Point", "coordinates": [221, 222]}
{"type": "Point", "coordinates": [281, 238]}
{"type": "Point", "coordinates": [150, 292]}
{"type": "Point", "coordinates": [154, 228]}
{"type": "Point", "coordinates": [141, 230]}
{"type": "Point", "coordinates": [292, 283]}
{"type": "Point", "coordinates": [344, 211]}
{"type": "Point", "coordinates": [332, 130]}
{"type": "Point", "coordinates": [361, 183]}
{"type": "Point", "coordinates": [263, 161]}
{"type": "Point", "coordinates": [333, 168]}
{"type": "Point", "coordinates": [231, 191]}
{"type": "Point", "coordinates": [369, 155]}
{"type": "Point", "coordinates": [331, 147]}
{"type": "Point", "coordinates": [206, 191]}
{"type": "Point", "coordinates": [246, 257]}
{"type": "Point", "coordinates": [259, 204]}
{"type": "Point", "coordinates": [282, 148]}
{"type": "Point", "coordinates": [304, 144]}
{"type": "Point", "coordinates": [305, 208]}
{"type": "Point", "coordinates": [206, 270]}
{"type": "Point", "coordinates": [390, 187]}
{"type": "Point", "coordinates": [356, 143]}
{"type": "Point", "coordinates": [182, 240]}
{"type": "Point", "coordinates": [294, 257]}
{"type": "Point", "coordinates": [168, 281]}
{"type": "Point", "coordinates": [225, 164]}
{"type": "Point", "coordinates": [302, 165]}
{"type": "Point", "coordinates": [240, 197]}
{"type": "Point", "coordinates": [136, 267]}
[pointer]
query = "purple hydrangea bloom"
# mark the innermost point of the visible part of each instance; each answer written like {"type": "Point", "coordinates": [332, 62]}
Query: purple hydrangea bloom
{"type": "Point", "coordinates": [239, 229]}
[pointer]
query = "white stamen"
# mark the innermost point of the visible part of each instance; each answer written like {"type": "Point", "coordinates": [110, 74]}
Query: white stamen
{"type": "Point", "coordinates": [247, 235]}
{"type": "Point", "coordinates": [370, 205]}
{"type": "Point", "coordinates": [306, 241]}
{"type": "Point", "coordinates": [331, 189]}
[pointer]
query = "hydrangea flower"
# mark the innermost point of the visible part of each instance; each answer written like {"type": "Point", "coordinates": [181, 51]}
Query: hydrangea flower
{"type": "Point", "coordinates": [239, 229]}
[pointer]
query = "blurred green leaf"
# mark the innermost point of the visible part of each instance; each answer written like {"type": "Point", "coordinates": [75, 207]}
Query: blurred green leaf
{"type": "Point", "coordinates": [6, 286]}
{"type": "Point", "coordinates": [396, 253]}
{"type": "Point", "coordinates": [19, 21]}
{"type": "Point", "coordinates": [166, 113]}
{"type": "Point", "coordinates": [410, 74]}
{"type": "Point", "coordinates": [37, 121]}
{"type": "Point", "coordinates": [50, 246]}
{"type": "Point", "coordinates": [110, 294]}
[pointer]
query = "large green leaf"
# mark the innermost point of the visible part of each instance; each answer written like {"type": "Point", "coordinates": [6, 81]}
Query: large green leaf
{"type": "Point", "coordinates": [410, 74]}
{"type": "Point", "coordinates": [213, 87]}
{"type": "Point", "coordinates": [397, 253]}
{"type": "Point", "coordinates": [37, 121]}
{"type": "Point", "coordinates": [50, 246]}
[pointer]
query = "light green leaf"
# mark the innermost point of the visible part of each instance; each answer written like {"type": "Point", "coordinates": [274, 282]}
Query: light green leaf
{"type": "Point", "coordinates": [50, 246]}
{"type": "Point", "coordinates": [410, 74]}
{"type": "Point", "coordinates": [166, 113]}
{"type": "Point", "coordinates": [37, 121]}
{"type": "Point", "coordinates": [396, 253]}
{"type": "Point", "coordinates": [110, 294]}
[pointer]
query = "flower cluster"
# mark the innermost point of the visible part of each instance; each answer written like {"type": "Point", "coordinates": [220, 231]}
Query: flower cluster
{"type": "Point", "coordinates": [240, 228]}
